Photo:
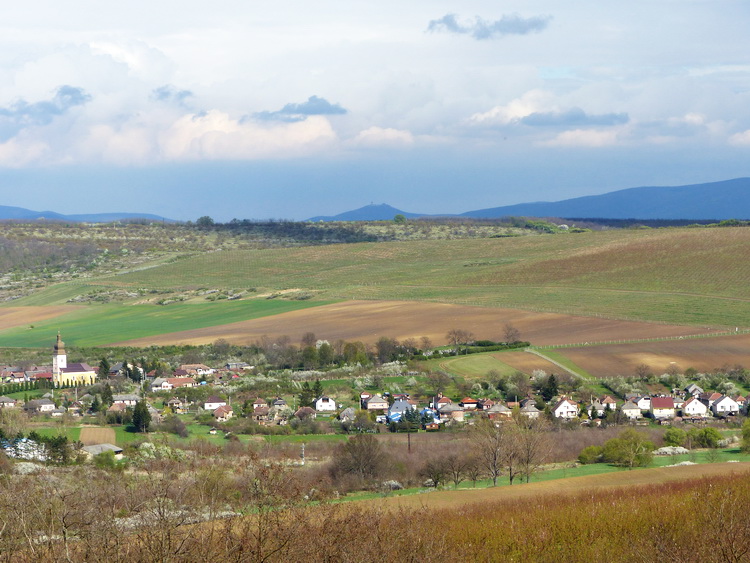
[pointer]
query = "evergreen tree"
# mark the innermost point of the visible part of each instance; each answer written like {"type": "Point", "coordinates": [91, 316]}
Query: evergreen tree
{"type": "Point", "coordinates": [96, 404]}
{"type": "Point", "coordinates": [549, 390]}
{"type": "Point", "coordinates": [317, 389]}
{"type": "Point", "coordinates": [141, 417]}
{"type": "Point", "coordinates": [104, 368]}
{"type": "Point", "coordinates": [107, 398]}
{"type": "Point", "coordinates": [306, 395]}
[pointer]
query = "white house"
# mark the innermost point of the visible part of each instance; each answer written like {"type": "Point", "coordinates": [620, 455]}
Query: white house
{"type": "Point", "coordinates": [213, 403]}
{"type": "Point", "coordinates": [631, 411]}
{"type": "Point", "coordinates": [662, 407]}
{"type": "Point", "coordinates": [644, 403]}
{"type": "Point", "coordinates": [724, 406]}
{"type": "Point", "coordinates": [530, 411]}
{"type": "Point", "coordinates": [127, 400]}
{"type": "Point", "coordinates": [565, 408]}
{"type": "Point", "coordinates": [694, 407]}
{"type": "Point", "coordinates": [325, 404]}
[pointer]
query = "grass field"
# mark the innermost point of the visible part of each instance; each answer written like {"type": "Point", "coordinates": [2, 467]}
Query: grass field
{"type": "Point", "coordinates": [99, 325]}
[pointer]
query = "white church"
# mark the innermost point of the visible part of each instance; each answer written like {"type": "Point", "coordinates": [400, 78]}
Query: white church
{"type": "Point", "coordinates": [73, 374]}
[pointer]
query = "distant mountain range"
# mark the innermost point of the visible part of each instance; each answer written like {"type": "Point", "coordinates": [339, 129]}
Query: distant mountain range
{"type": "Point", "coordinates": [729, 199]}
{"type": "Point", "coordinates": [7, 212]}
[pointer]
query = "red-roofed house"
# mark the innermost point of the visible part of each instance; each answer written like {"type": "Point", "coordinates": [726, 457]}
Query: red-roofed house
{"type": "Point", "coordinates": [177, 382]}
{"type": "Point", "coordinates": [565, 408]}
{"type": "Point", "coordinates": [223, 413]}
{"type": "Point", "coordinates": [662, 407]}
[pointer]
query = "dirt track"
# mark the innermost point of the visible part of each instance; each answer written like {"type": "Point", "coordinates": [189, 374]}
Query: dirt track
{"type": "Point", "coordinates": [369, 320]}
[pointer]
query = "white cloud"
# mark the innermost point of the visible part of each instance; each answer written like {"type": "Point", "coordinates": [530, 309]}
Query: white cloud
{"type": "Point", "coordinates": [741, 139]}
{"type": "Point", "coordinates": [379, 137]}
{"type": "Point", "coordinates": [534, 101]}
{"type": "Point", "coordinates": [584, 138]}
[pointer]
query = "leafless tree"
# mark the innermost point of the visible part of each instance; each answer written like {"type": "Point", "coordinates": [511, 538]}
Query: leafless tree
{"type": "Point", "coordinates": [511, 334]}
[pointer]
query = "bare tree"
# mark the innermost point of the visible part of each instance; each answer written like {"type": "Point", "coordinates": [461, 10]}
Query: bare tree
{"type": "Point", "coordinates": [490, 443]}
{"type": "Point", "coordinates": [511, 334]}
{"type": "Point", "coordinates": [457, 336]}
{"type": "Point", "coordinates": [533, 444]}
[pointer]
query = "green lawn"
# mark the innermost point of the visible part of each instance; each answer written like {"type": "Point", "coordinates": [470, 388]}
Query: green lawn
{"type": "Point", "coordinates": [106, 324]}
{"type": "Point", "coordinates": [474, 366]}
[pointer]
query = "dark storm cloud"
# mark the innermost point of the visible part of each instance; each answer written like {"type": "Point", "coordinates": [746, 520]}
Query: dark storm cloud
{"type": "Point", "coordinates": [299, 112]}
{"type": "Point", "coordinates": [574, 117]}
{"type": "Point", "coordinates": [482, 29]}
{"type": "Point", "coordinates": [22, 114]}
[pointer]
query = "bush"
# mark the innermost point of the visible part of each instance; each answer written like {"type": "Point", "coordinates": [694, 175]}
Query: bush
{"type": "Point", "coordinates": [705, 437]}
{"type": "Point", "coordinates": [630, 449]}
{"type": "Point", "coordinates": [675, 437]}
{"type": "Point", "coordinates": [591, 454]}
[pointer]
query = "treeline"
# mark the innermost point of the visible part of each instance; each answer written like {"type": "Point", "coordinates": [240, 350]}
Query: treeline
{"type": "Point", "coordinates": [36, 255]}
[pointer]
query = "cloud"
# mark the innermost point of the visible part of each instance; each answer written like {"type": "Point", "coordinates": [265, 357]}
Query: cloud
{"type": "Point", "coordinates": [170, 94]}
{"type": "Point", "coordinates": [22, 114]}
{"type": "Point", "coordinates": [299, 112]}
{"type": "Point", "coordinates": [380, 137]}
{"type": "Point", "coordinates": [584, 138]}
{"type": "Point", "coordinates": [574, 117]}
{"type": "Point", "coordinates": [512, 24]}
{"type": "Point", "coordinates": [741, 139]}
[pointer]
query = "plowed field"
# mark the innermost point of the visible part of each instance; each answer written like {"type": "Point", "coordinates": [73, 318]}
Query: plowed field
{"type": "Point", "coordinates": [26, 316]}
{"type": "Point", "coordinates": [369, 320]}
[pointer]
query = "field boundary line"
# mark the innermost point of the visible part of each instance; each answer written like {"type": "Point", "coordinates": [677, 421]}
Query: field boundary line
{"type": "Point", "coordinates": [642, 340]}
{"type": "Point", "coordinates": [555, 362]}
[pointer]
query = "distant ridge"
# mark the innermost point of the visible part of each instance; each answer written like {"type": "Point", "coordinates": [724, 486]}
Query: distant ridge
{"type": "Point", "coordinates": [372, 212]}
{"type": "Point", "coordinates": [728, 199]}
{"type": "Point", "coordinates": [19, 213]}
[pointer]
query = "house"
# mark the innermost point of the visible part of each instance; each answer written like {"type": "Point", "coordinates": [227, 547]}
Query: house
{"type": "Point", "coordinates": [213, 403]}
{"type": "Point", "coordinates": [694, 407]}
{"type": "Point", "coordinates": [7, 403]}
{"type": "Point", "coordinates": [499, 411]}
{"type": "Point", "coordinates": [485, 404]}
{"type": "Point", "coordinates": [530, 411]}
{"type": "Point", "coordinates": [177, 405]}
{"type": "Point", "coordinates": [117, 408]}
{"type": "Point", "coordinates": [631, 411]}
{"type": "Point", "coordinates": [741, 401]}
{"type": "Point", "coordinates": [347, 415]}
{"type": "Point", "coordinates": [609, 403]}
{"type": "Point", "coordinates": [161, 384]}
{"type": "Point", "coordinates": [258, 402]}
{"type": "Point", "coordinates": [305, 412]}
{"type": "Point", "coordinates": [197, 369]}
{"type": "Point", "coordinates": [325, 404]}
{"type": "Point", "coordinates": [452, 412]}
{"type": "Point", "coordinates": [565, 408]}
{"type": "Point", "coordinates": [399, 407]}
{"type": "Point", "coordinates": [238, 366]}
{"type": "Point", "coordinates": [223, 413]}
{"type": "Point", "coordinates": [376, 403]}
{"type": "Point", "coordinates": [279, 402]}
{"type": "Point", "coordinates": [127, 400]}
{"type": "Point", "coordinates": [363, 397]}
{"type": "Point", "coordinates": [709, 398]}
{"type": "Point", "coordinates": [73, 374]}
{"type": "Point", "coordinates": [98, 449]}
{"type": "Point", "coordinates": [662, 408]}
{"type": "Point", "coordinates": [469, 404]}
{"type": "Point", "coordinates": [39, 406]}
{"type": "Point", "coordinates": [595, 409]}
{"type": "Point", "coordinates": [725, 406]}
{"type": "Point", "coordinates": [440, 401]}
{"type": "Point", "coordinates": [177, 382]}
{"type": "Point", "coordinates": [643, 402]}
{"type": "Point", "coordinates": [262, 414]}
{"type": "Point", "coordinates": [694, 390]}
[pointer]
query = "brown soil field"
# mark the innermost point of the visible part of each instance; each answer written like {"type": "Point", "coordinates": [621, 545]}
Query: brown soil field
{"type": "Point", "coordinates": [11, 317]}
{"type": "Point", "coordinates": [703, 354]}
{"type": "Point", "coordinates": [527, 363]}
{"type": "Point", "coordinates": [369, 320]}
{"type": "Point", "coordinates": [569, 486]}
{"type": "Point", "coordinates": [92, 436]}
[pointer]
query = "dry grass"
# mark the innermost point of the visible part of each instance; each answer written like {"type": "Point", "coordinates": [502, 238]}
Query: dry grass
{"type": "Point", "coordinates": [91, 436]}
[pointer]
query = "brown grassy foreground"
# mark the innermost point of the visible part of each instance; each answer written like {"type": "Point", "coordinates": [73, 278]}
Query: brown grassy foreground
{"type": "Point", "coordinates": [369, 320]}
{"type": "Point", "coordinates": [675, 514]}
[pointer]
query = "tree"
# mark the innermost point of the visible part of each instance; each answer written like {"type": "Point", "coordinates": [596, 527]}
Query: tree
{"type": "Point", "coordinates": [325, 354]}
{"type": "Point", "coordinates": [204, 221]}
{"type": "Point", "coordinates": [104, 368]}
{"type": "Point", "coordinates": [310, 357]}
{"type": "Point", "coordinates": [317, 389]}
{"type": "Point", "coordinates": [630, 449]}
{"type": "Point", "coordinates": [361, 455]}
{"type": "Point", "coordinates": [549, 389]}
{"type": "Point", "coordinates": [490, 442]}
{"type": "Point", "coordinates": [457, 336]}
{"type": "Point", "coordinates": [399, 219]}
{"type": "Point", "coordinates": [533, 444]}
{"type": "Point", "coordinates": [675, 436]}
{"type": "Point", "coordinates": [746, 436]}
{"type": "Point", "coordinates": [511, 334]}
{"type": "Point", "coordinates": [435, 469]}
{"type": "Point", "coordinates": [107, 398]}
{"type": "Point", "coordinates": [456, 464]}
{"type": "Point", "coordinates": [309, 339]}
{"type": "Point", "coordinates": [141, 416]}
{"type": "Point", "coordinates": [306, 395]}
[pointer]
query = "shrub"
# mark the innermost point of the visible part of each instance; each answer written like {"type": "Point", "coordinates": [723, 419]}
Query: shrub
{"type": "Point", "coordinates": [591, 454]}
{"type": "Point", "coordinates": [630, 449]}
{"type": "Point", "coordinates": [675, 437]}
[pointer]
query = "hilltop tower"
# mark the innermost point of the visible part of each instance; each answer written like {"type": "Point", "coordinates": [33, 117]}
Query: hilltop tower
{"type": "Point", "coordinates": [59, 357]}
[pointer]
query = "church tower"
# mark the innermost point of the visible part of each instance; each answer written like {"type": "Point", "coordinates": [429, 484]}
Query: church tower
{"type": "Point", "coordinates": [59, 358]}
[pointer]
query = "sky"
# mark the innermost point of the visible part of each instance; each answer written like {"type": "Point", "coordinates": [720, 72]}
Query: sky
{"type": "Point", "coordinates": [292, 109]}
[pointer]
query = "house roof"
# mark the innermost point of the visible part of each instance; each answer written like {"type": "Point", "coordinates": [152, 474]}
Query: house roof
{"type": "Point", "coordinates": [376, 399]}
{"type": "Point", "coordinates": [564, 401]}
{"type": "Point", "coordinates": [214, 399]}
{"type": "Point", "coordinates": [4, 399]}
{"type": "Point", "coordinates": [222, 410]}
{"type": "Point", "coordinates": [630, 406]}
{"type": "Point", "coordinates": [529, 407]}
{"type": "Point", "coordinates": [662, 403]}
{"type": "Point", "coordinates": [498, 407]}
{"type": "Point", "coordinates": [97, 449]}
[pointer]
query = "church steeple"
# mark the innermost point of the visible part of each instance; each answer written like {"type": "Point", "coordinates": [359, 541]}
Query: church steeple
{"type": "Point", "coordinates": [59, 358]}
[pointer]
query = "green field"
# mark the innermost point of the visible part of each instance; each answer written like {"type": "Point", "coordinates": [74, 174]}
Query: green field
{"type": "Point", "coordinates": [474, 366]}
{"type": "Point", "coordinates": [681, 276]}
{"type": "Point", "coordinates": [105, 324]}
